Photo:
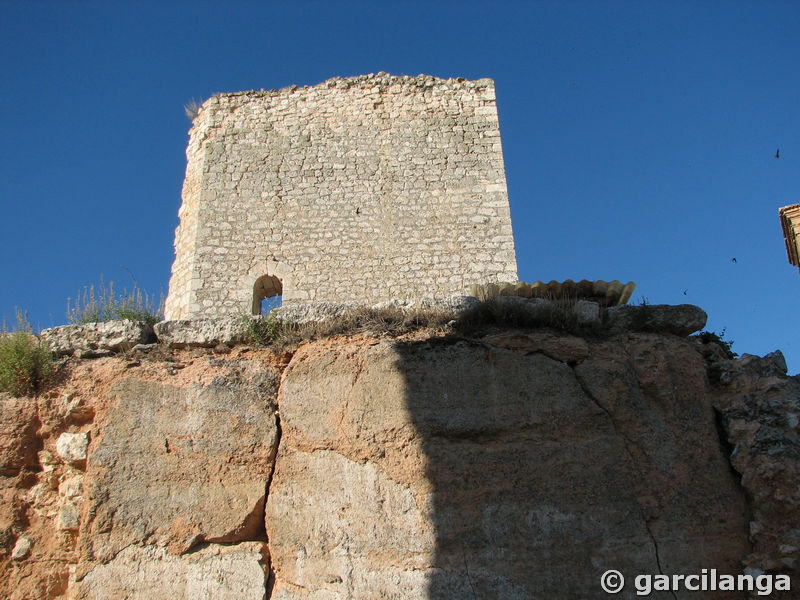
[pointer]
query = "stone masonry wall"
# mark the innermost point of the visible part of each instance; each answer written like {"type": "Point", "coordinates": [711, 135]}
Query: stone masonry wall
{"type": "Point", "coordinates": [368, 188]}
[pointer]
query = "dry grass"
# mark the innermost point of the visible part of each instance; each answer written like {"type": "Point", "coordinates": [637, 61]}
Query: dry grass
{"type": "Point", "coordinates": [558, 313]}
{"type": "Point", "coordinates": [192, 109]}
{"type": "Point", "coordinates": [499, 311]}
{"type": "Point", "coordinates": [391, 321]}
{"type": "Point", "coordinates": [103, 303]}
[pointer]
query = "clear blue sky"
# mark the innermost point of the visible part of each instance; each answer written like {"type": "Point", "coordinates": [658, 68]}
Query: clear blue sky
{"type": "Point", "coordinates": [639, 137]}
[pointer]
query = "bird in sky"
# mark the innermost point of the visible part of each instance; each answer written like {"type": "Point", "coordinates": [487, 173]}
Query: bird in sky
{"type": "Point", "coordinates": [684, 292]}
{"type": "Point", "coordinates": [733, 260]}
{"type": "Point", "coordinates": [778, 153]}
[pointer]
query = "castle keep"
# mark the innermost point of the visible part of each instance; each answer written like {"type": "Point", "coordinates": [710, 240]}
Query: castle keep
{"type": "Point", "coordinates": [367, 189]}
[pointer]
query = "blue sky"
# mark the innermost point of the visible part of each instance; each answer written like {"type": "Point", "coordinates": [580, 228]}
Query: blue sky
{"type": "Point", "coordinates": [639, 137]}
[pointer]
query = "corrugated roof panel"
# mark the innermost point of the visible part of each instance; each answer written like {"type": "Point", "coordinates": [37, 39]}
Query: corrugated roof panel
{"type": "Point", "coordinates": [606, 293]}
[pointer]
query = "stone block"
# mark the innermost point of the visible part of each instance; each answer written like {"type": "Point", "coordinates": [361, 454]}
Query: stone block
{"type": "Point", "coordinates": [212, 573]}
{"type": "Point", "coordinates": [179, 466]}
{"type": "Point", "coordinates": [313, 312]}
{"type": "Point", "coordinates": [587, 312]}
{"type": "Point", "coordinates": [22, 548]}
{"type": "Point", "coordinates": [69, 516]}
{"type": "Point", "coordinates": [97, 339]}
{"type": "Point", "coordinates": [72, 447]}
{"type": "Point", "coordinates": [202, 332]}
{"type": "Point", "coordinates": [682, 320]}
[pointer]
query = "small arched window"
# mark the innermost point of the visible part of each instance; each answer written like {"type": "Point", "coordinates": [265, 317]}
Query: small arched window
{"type": "Point", "coordinates": [267, 294]}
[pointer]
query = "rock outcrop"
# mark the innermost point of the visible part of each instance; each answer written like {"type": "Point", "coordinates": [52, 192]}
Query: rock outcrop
{"type": "Point", "coordinates": [760, 410]}
{"type": "Point", "coordinates": [205, 333]}
{"type": "Point", "coordinates": [177, 467]}
{"type": "Point", "coordinates": [97, 339]}
{"type": "Point", "coordinates": [447, 470]}
{"type": "Point", "coordinates": [515, 464]}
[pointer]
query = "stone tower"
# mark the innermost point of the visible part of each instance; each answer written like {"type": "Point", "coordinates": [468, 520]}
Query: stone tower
{"type": "Point", "coordinates": [790, 223]}
{"type": "Point", "coordinates": [366, 188]}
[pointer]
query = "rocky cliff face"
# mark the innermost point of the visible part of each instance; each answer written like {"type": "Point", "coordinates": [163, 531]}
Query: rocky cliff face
{"type": "Point", "coordinates": [521, 464]}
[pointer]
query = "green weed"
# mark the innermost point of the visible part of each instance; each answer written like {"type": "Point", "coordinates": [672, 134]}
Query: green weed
{"type": "Point", "coordinates": [717, 338]}
{"type": "Point", "coordinates": [25, 362]}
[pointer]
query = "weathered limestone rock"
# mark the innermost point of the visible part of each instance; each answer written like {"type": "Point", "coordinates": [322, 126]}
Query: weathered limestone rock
{"type": "Point", "coordinates": [564, 348]}
{"type": "Point", "coordinates": [147, 572]}
{"type": "Point", "coordinates": [177, 455]}
{"type": "Point", "coordinates": [71, 486]}
{"type": "Point", "coordinates": [18, 441]}
{"type": "Point", "coordinates": [760, 411]}
{"type": "Point", "coordinates": [456, 305]}
{"type": "Point", "coordinates": [535, 309]}
{"type": "Point", "coordinates": [519, 465]}
{"type": "Point", "coordinates": [97, 339]}
{"type": "Point", "coordinates": [320, 312]}
{"type": "Point", "coordinates": [34, 556]}
{"type": "Point", "coordinates": [313, 312]}
{"type": "Point", "coordinates": [177, 466]}
{"type": "Point", "coordinates": [69, 516]}
{"type": "Point", "coordinates": [201, 332]}
{"type": "Point", "coordinates": [22, 548]}
{"type": "Point", "coordinates": [72, 447]}
{"type": "Point", "coordinates": [75, 409]}
{"type": "Point", "coordinates": [70, 494]}
{"type": "Point", "coordinates": [377, 542]}
{"type": "Point", "coordinates": [655, 390]}
{"type": "Point", "coordinates": [587, 313]}
{"type": "Point", "coordinates": [450, 470]}
{"type": "Point", "coordinates": [682, 320]}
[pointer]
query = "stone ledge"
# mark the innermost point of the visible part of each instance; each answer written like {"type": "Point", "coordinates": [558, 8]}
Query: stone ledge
{"type": "Point", "coordinates": [682, 319]}
{"type": "Point", "coordinates": [101, 339]}
{"type": "Point", "coordinates": [97, 339]}
{"type": "Point", "coordinates": [312, 312]}
{"type": "Point", "coordinates": [320, 312]}
{"type": "Point", "coordinates": [202, 332]}
{"type": "Point", "coordinates": [455, 304]}
{"type": "Point", "coordinates": [233, 330]}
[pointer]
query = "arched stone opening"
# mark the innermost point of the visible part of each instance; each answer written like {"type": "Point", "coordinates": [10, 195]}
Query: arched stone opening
{"type": "Point", "coordinates": [267, 294]}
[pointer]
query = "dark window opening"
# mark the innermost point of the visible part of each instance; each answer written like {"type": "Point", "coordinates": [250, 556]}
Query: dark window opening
{"type": "Point", "coordinates": [267, 294]}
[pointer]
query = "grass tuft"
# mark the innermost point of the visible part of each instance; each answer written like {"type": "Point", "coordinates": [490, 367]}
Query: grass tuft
{"type": "Point", "coordinates": [264, 331]}
{"type": "Point", "coordinates": [711, 337]}
{"type": "Point", "coordinates": [192, 109]}
{"type": "Point", "coordinates": [101, 303]}
{"type": "Point", "coordinates": [642, 313]}
{"type": "Point", "coordinates": [25, 362]}
{"type": "Point", "coordinates": [505, 311]}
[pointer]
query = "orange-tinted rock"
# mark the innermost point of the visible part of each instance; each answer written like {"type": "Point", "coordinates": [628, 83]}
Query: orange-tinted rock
{"type": "Point", "coordinates": [449, 470]}
{"type": "Point", "coordinates": [517, 466]}
{"type": "Point", "coordinates": [19, 443]}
